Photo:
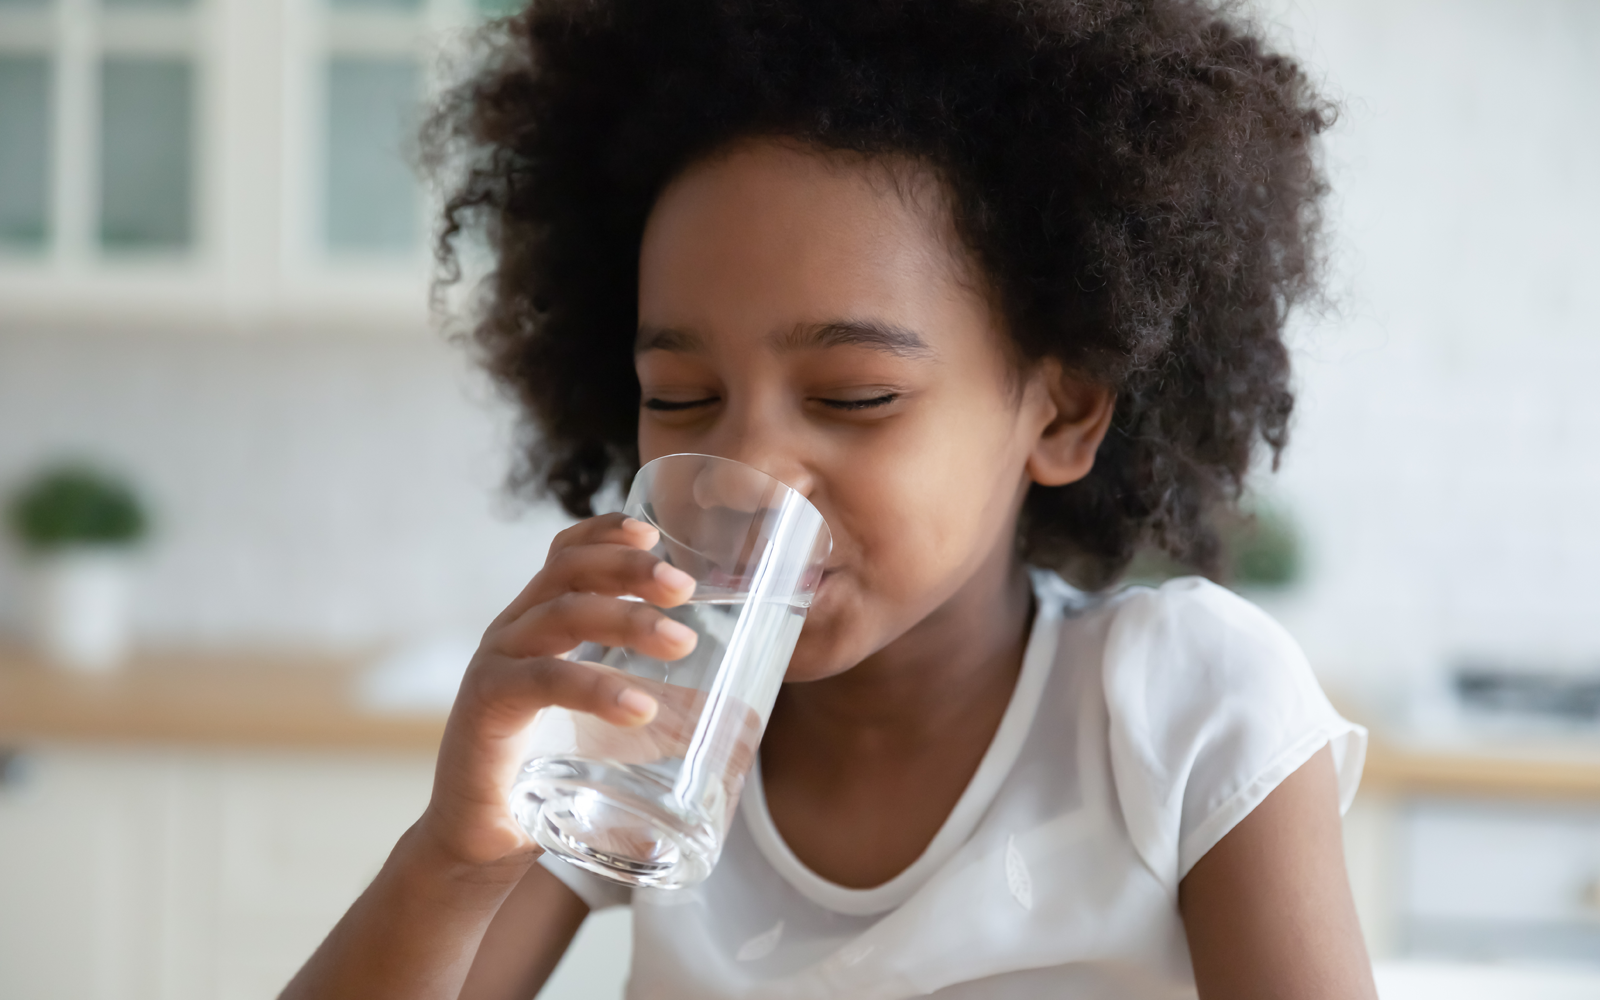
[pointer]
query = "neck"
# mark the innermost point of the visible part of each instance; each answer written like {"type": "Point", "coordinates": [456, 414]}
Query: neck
{"type": "Point", "coordinates": [963, 657]}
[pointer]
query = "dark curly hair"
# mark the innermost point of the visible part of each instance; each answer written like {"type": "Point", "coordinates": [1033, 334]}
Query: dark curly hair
{"type": "Point", "coordinates": [1137, 179]}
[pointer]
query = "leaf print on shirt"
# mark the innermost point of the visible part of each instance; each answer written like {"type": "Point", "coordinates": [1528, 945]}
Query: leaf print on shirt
{"type": "Point", "coordinates": [761, 945]}
{"type": "Point", "coordinates": [1017, 878]}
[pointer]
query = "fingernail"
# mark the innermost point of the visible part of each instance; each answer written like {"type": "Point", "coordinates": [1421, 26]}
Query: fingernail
{"type": "Point", "coordinates": [636, 702]}
{"type": "Point", "coordinates": [676, 631]}
{"type": "Point", "coordinates": [672, 576]}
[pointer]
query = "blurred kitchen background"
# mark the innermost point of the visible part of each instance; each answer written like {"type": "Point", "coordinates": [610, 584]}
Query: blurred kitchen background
{"type": "Point", "coordinates": [217, 365]}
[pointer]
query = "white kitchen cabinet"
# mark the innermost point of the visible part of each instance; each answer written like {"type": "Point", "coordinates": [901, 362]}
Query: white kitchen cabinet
{"type": "Point", "coordinates": [140, 874]}
{"type": "Point", "coordinates": [186, 875]}
{"type": "Point", "coordinates": [1494, 879]}
{"type": "Point", "coordinates": [299, 839]}
{"type": "Point", "coordinates": [276, 196]}
{"type": "Point", "coordinates": [191, 826]}
{"type": "Point", "coordinates": [82, 861]}
{"type": "Point", "coordinates": [1498, 881]}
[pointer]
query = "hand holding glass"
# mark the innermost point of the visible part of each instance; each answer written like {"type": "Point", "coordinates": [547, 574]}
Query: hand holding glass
{"type": "Point", "coordinates": [651, 805]}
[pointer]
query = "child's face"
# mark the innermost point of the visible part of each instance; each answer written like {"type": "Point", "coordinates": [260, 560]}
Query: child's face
{"type": "Point", "coordinates": [807, 315]}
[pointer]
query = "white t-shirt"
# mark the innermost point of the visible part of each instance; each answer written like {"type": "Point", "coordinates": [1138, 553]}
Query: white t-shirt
{"type": "Point", "coordinates": [1144, 726]}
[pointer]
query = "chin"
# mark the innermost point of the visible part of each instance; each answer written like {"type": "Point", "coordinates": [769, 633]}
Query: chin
{"type": "Point", "coordinates": [841, 629]}
{"type": "Point", "coordinates": [821, 650]}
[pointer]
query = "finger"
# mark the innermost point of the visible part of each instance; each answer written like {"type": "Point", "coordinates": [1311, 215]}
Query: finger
{"type": "Point", "coordinates": [607, 529]}
{"type": "Point", "coordinates": [553, 627]}
{"type": "Point", "coordinates": [613, 570]}
{"type": "Point", "coordinates": [613, 528]}
{"type": "Point", "coordinates": [677, 716]}
{"type": "Point", "coordinates": [505, 692]}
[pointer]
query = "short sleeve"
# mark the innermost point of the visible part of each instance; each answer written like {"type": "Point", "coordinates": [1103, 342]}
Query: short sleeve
{"type": "Point", "coordinates": [596, 892]}
{"type": "Point", "coordinates": [1211, 705]}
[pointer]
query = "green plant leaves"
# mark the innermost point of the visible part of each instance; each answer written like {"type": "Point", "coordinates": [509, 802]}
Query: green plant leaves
{"type": "Point", "coordinates": [76, 504]}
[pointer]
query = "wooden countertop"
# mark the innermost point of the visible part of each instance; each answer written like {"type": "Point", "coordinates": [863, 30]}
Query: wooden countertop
{"type": "Point", "coordinates": [1499, 768]}
{"type": "Point", "coordinates": [205, 699]}
{"type": "Point", "coordinates": [309, 702]}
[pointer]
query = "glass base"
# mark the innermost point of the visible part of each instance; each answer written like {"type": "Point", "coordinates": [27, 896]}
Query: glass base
{"type": "Point", "coordinates": [614, 820]}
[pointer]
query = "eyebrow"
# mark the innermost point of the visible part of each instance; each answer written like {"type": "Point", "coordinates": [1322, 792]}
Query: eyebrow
{"type": "Point", "coordinates": [872, 334]}
{"type": "Point", "coordinates": [667, 338]}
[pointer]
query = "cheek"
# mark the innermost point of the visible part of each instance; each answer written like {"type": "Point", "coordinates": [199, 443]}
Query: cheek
{"type": "Point", "coordinates": [656, 440]}
{"type": "Point", "coordinates": [919, 510]}
{"type": "Point", "coordinates": [934, 500]}
{"type": "Point", "coordinates": [651, 443]}
{"type": "Point", "coordinates": [959, 465]}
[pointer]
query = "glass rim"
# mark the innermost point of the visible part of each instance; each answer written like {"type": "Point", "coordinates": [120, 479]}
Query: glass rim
{"type": "Point", "coordinates": [826, 528]}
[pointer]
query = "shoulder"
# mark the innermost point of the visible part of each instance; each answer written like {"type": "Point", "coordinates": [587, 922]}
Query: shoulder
{"type": "Point", "coordinates": [1181, 643]}
{"type": "Point", "coordinates": [1199, 639]}
{"type": "Point", "coordinates": [1210, 705]}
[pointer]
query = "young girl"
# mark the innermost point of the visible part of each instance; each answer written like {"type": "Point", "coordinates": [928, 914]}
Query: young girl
{"type": "Point", "coordinates": [1000, 286]}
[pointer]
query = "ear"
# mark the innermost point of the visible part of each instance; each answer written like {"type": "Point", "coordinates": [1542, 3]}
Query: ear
{"type": "Point", "coordinates": [1074, 415]}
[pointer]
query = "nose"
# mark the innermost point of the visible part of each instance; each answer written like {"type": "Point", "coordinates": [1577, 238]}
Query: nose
{"type": "Point", "coordinates": [764, 440]}
{"type": "Point", "coordinates": [775, 462]}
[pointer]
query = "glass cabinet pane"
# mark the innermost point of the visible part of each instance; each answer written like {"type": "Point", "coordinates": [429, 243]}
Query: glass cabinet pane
{"type": "Point", "coordinates": [375, 4]}
{"type": "Point", "coordinates": [24, 149]}
{"type": "Point", "coordinates": [146, 152]}
{"type": "Point", "coordinates": [372, 196]}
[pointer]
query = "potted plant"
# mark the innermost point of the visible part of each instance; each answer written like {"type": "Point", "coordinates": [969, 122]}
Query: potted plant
{"type": "Point", "coordinates": [78, 524]}
{"type": "Point", "coordinates": [1260, 553]}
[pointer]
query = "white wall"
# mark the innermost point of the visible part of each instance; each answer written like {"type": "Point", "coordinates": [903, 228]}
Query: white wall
{"type": "Point", "coordinates": [306, 490]}
{"type": "Point", "coordinates": [1446, 459]}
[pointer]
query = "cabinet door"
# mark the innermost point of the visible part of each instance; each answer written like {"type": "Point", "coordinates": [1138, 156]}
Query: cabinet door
{"type": "Point", "coordinates": [83, 851]}
{"type": "Point", "coordinates": [188, 875]}
{"type": "Point", "coordinates": [300, 838]}
{"type": "Point", "coordinates": [1502, 881]}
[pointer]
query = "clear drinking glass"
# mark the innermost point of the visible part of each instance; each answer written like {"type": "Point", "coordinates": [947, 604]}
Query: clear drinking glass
{"type": "Point", "coordinates": [651, 805]}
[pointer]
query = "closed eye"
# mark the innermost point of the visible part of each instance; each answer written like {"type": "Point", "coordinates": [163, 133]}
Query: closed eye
{"type": "Point", "coordinates": [675, 404]}
{"type": "Point", "coordinates": [860, 404]}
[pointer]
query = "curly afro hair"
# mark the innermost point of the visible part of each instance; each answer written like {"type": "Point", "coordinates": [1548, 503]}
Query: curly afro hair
{"type": "Point", "coordinates": [1138, 180]}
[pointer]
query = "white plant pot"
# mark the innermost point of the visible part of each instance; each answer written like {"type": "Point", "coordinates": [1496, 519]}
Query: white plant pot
{"type": "Point", "coordinates": [80, 613]}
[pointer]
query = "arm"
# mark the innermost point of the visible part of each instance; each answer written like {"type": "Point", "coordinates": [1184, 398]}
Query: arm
{"type": "Point", "coordinates": [504, 939]}
{"type": "Point", "coordinates": [1268, 911]}
{"type": "Point", "coordinates": [414, 933]}
{"type": "Point", "coordinates": [526, 939]}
